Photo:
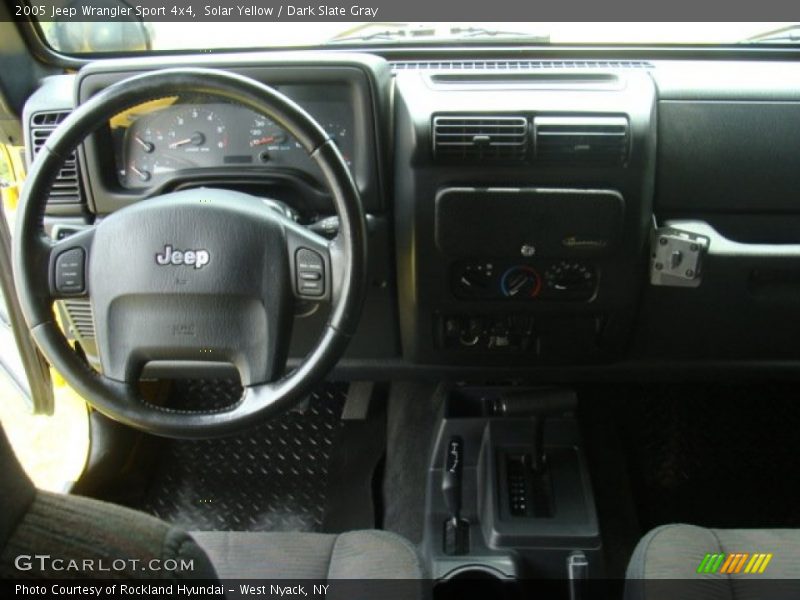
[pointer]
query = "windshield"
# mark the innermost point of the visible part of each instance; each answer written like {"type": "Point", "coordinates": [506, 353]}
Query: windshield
{"type": "Point", "coordinates": [136, 36]}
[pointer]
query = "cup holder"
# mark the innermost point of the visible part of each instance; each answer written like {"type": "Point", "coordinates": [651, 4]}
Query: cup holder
{"type": "Point", "coordinates": [476, 581]}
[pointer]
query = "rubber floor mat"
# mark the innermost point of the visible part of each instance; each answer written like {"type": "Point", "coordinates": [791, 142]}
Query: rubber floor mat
{"type": "Point", "coordinates": [272, 477]}
{"type": "Point", "coordinates": [713, 455]}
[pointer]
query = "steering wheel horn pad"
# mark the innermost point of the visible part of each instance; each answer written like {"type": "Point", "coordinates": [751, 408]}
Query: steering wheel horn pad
{"type": "Point", "coordinates": [201, 274]}
{"type": "Point", "coordinates": [204, 274]}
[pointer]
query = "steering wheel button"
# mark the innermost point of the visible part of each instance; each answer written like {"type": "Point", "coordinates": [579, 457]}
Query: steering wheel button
{"type": "Point", "coordinates": [69, 271]}
{"type": "Point", "coordinates": [310, 273]}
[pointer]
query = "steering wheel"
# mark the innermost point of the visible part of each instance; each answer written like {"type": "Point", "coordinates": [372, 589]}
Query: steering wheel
{"type": "Point", "coordinates": [202, 274]}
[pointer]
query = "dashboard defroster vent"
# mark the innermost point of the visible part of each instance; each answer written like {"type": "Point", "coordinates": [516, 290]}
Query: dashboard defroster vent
{"type": "Point", "coordinates": [516, 65]}
{"type": "Point", "coordinates": [495, 138]}
{"type": "Point", "coordinates": [584, 140]}
{"type": "Point", "coordinates": [67, 187]}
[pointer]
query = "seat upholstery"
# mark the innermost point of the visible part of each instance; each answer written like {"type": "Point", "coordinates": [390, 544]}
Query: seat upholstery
{"type": "Point", "coordinates": [367, 554]}
{"type": "Point", "coordinates": [72, 529]}
{"type": "Point", "coordinates": [665, 562]}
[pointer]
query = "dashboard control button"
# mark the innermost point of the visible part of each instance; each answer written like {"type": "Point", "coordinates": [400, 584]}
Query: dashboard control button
{"type": "Point", "coordinates": [70, 271]}
{"type": "Point", "coordinates": [482, 333]}
{"type": "Point", "coordinates": [310, 273]}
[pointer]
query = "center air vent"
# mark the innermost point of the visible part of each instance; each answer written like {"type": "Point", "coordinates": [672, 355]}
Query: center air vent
{"type": "Point", "coordinates": [585, 140]}
{"type": "Point", "coordinates": [480, 137]}
{"type": "Point", "coordinates": [67, 188]}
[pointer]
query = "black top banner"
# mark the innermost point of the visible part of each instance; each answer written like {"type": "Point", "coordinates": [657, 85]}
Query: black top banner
{"type": "Point", "coordinates": [407, 10]}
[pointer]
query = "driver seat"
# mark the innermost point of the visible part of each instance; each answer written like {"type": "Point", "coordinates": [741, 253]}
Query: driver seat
{"type": "Point", "coordinates": [73, 528]}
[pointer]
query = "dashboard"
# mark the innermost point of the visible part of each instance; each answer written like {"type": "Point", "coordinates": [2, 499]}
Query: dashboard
{"type": "Point", "coordinates": [172, 136]}
{"type": "Point", "coordinates": [516, 207]}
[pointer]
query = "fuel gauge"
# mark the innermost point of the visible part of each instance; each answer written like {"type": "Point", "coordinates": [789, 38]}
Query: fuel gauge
{"type": "Point", "coordinates": [145, 169]}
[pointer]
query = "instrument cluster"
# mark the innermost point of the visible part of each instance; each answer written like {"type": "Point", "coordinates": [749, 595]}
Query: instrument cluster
{"type": "Point", "coordinates": [159, 140]}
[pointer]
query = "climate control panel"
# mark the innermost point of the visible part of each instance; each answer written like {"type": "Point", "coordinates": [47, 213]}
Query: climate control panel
{"type": "Point", "coordinates": [545, 280]}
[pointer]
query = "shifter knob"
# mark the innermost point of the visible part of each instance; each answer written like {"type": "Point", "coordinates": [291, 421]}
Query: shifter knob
{"type": "Point", "coordinates": [451, 479]}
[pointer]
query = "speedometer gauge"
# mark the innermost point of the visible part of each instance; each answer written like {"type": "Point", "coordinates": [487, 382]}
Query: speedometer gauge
{"type": "Point", "coordinates": [263, 132]}
{"type": "Point", "coordinates": [267, 138]}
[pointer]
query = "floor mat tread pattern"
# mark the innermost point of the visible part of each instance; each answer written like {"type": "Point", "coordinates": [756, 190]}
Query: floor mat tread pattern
{"type": "Point", "coordinates": [271, 477]}
{"type": "Point", "coordinates": [714, 455]}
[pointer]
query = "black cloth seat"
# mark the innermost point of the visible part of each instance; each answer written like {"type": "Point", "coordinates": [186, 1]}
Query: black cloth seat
{"type": "Point", "coordinates": [666, 561]}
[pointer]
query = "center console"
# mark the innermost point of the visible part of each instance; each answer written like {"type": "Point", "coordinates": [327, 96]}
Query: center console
{"type": "Point", "coordinates": [509, 499]}
{"type": "Point", "coordinates": [521, 229]}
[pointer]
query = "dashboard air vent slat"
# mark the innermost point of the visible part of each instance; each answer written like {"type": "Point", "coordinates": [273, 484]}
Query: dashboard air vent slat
{"type": "Point", "coordinates": [79, 315]}
{"type": "Point", "coordinates": [584, 140]}
{"type": "Point", "coordinates": [496, 138]}
{"type": "Point", "coordinates": [67, 187]}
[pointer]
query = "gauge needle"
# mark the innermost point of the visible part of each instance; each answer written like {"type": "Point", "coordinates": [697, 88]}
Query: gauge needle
{"type": "Point", "coordinates": [196, 139]}
{"type": "Point", "coordinates": [148, 147]}
{"type": "Point", "coordinates": [264, 140]}
{"type": "Point", "coordinates": [144, 175]}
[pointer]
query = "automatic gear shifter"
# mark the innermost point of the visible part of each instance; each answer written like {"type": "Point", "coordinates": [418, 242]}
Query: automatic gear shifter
{"type": "Point", "coordinates": [456, 529]}
{"type": "Point", "coordinates": [537, 405]}
{"type": "Point", "coordinates": [451, 478]}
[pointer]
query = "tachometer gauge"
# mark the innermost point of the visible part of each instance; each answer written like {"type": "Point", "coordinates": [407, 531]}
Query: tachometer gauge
{"type": "Point", "coordinates": [195, 130]}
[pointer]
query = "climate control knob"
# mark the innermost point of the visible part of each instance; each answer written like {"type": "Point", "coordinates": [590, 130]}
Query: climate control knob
{"type": "Point", "coordinates": [474, 280]}
{"type": "Point", "coordinates": [521, 282]}
{"type": "Point", "coordinates": [570, 280]}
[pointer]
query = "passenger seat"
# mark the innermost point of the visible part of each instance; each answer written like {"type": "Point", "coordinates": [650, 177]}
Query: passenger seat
{"type": "Point", "coordinates": [671, 562]}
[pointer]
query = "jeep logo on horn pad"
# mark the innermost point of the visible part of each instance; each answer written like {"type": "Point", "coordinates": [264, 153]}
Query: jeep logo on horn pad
{"type": "Point", "coordinates": [170, 256]}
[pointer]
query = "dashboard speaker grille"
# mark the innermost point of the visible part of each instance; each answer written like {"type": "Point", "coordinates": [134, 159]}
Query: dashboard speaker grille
{"type": "Point", "coordinates": [570, 140]}
{"type": "Point", "coordinates": [497, 138]}
{"type": "Point", "coordinates": [67, 187]}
